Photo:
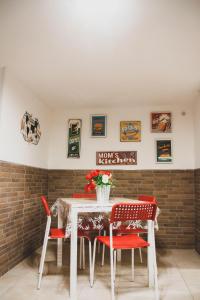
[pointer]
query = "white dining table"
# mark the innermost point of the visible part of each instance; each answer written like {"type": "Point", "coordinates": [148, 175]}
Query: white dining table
{"type": "Point", "coordinates": [84, 205]}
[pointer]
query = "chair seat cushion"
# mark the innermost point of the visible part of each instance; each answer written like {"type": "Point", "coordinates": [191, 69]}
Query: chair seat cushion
{"type": "Point", "coordinates": [124, 242]}
{"type": "Point", "coordinates": [57, 233]}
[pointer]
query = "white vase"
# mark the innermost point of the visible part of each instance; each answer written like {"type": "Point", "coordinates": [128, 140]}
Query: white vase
{"type": "Point", "coordinates": [103, 193]}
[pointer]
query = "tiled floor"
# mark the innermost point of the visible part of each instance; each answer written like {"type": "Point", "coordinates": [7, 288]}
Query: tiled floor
{"type": "Point", "coordinates": [179, 279]}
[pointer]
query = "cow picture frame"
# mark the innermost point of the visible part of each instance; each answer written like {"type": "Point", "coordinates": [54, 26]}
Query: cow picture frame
{"type": "Point", "coordinates": [164, 151]}
{"type": "Point", "coordinates": [30, 128]}
{"type": "Point", "coordinates": [98, 126]}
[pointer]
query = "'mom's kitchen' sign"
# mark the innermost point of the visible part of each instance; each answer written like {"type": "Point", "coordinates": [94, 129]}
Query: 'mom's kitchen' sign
{"type": "Point", "coordinates": [116, 158]}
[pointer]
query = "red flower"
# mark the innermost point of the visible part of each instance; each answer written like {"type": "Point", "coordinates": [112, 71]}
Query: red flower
{"type": "Point", "coordinates": [90, 186]}
{"type": "Point", "coordinates": [88, 176]}
{"type": "Point", "coordinates": [93, 177]}
{"type": "Point", "coordinates": [95, 173]}
{"type": "Point", "coordinates": [86, 188]}
{"type": "Point", "coordinates": [107, 173]}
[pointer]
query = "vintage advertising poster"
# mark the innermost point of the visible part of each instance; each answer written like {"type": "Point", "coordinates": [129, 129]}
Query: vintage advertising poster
{"type": "Point", "coordinates": [116, 158]}
{"type": "Point", "coordinates": [74, 138]}
{"type": "Point", "coordinates": [161, 122]}
{"type": "Point", "coordinates": [98, 125]}
{"type": "Point", "coordinates": [130, 131]}
{"type": "Point", "coordinates": [30, 129]}
{"type": "Point", "coordinates": [163, 151]}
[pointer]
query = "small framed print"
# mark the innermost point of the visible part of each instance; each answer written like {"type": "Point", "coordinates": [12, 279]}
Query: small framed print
{"type": "Point", "coordinates": [130, 131]}
{"type": "Point", "coordinates": [98, 126]}
{"type": "Point", "coordinates": [74, 138]}
{"type": "Point", "coordinates": [164, 151]}
{"type": "Point", "coordinates": [161, 122]}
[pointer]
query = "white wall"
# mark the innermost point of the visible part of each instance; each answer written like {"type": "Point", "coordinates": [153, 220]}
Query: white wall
{"type": "Point", "coordinates": [51, 151]}
{"type": "Point", "coordinates": [183, 138]}
{"type": "Point", "coordinates": [197, 133]}
{"type": "Point", "coordinates": [16, 99]}
{"type": "Point", "coordinates": [1, 87]}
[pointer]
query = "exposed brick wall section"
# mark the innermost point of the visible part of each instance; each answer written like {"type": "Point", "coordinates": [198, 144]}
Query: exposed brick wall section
{"type": "Point", "coordinates": [197, 210]}
{"type": "Point", "coordinates": [22, 219]}
{"type": "Point", "coordinates": [174, 190]}
{"type": "Point", "coordinates": [21, 215]}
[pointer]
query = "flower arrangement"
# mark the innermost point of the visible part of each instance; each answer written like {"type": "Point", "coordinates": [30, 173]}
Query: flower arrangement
{"type": "Point", "coordinates": [98, 178]}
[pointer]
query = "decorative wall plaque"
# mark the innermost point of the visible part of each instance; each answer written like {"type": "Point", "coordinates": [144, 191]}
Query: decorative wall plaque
{"type": "Point", "coordinates": [161, 122]}
{"type": "Point", "coordinates": [98, 125]}
{"type": "Point", "coordinates": [74, 138]}
{"type": "Point", "coordinates": [130, 131]}
{"type": "Point", "coordinates": [30, 129]}
{"type": "Point", "coordinates": [116, 158]}
{"type": "Point", "coordinates": [164, 151]}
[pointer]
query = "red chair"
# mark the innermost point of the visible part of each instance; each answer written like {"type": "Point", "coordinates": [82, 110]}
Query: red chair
{"type": "Point", "coordinates": [123, 212]}
{"type": "Point", "coordinates": [56, 233]}
{"type": "Point", "coordinates": [124, 230]}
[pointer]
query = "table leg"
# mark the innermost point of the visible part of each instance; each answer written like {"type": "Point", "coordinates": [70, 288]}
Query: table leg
{"type": "Point", "coordinates": [73, 256]}
{"type": "Point", "coordinates": [59, 241]}
{"type": "Point", "coordinates": [150, 257]}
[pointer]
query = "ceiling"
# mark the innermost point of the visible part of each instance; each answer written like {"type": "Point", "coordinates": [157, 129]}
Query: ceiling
{"type": "Point", "coordinates": [103, 52]}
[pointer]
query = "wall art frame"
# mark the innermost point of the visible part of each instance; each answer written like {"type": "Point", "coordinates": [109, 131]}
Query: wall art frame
{"type": "Point", "coordinates": [30, 128]}
{"type": "Point", "coordinates": [74, 138]}
{"type": "Point", "coordinates": [130, 131]}
{"type": "Point", "coordinates": [161, 122]}
{"type": "Point", "coordinates": [98, 126]}
{"type": "Point", "coordinates": [164, 151]}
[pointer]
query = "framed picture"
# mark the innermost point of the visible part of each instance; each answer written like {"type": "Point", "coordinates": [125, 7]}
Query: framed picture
{"type": "Point", "coordinates": [74, 138]}
{"type": "Point", "coordinates": [130, 131]}
{"type": "Point", "coordinates": [98, 125]}
{"type": "Point", "coordinates": [164, 151]}
{"type": "Point", "coordinates": [30, 128]}
{"type": "Point", "coordinates": [161, 122]}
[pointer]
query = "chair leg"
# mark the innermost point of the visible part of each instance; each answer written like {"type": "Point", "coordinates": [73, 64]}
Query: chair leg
{"type": "Point", "coordinates": [83, 249]}
{"type": "Point", "coordinates": [112, 275]}
{"type": "Point", "coordinates": [42, 259]}
{"type": "Point", "coordinates": [140, 253]}
{"type": "Point", "coordinates": [80, 253]}
{"type": "Point", "coordinates": [103, 251]}
{"type": "Point", "coordinates": [93, 262]}
{"type": "Point", "coordinates": [90, 262]}
{"type": "Point", "coordinates": [103, 255]}
{"type": "Point", "coordinates": [132, 265]}
{"type": "Point", "coordinates": [115, 264]}
{"type": "Point", "coordinates": [99, 244]}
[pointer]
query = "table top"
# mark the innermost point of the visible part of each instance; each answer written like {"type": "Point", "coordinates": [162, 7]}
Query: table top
{"type": "Point", "coordinates": [88, 202]}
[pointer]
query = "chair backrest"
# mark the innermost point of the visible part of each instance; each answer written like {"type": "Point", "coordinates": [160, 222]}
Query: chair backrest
{"type": "Point", "coordinates": [45, 205]}
{"type": "Point", "coordinates": [84, 195]}
{"type": "Point", "coordinates": [147, 198]}
{"type": "Point", "coordinates": [133, 211]}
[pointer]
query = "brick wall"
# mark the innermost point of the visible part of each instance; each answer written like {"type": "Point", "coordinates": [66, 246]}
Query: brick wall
{"type": "Point", "coordinates": [197, 210]}
{"type": "Point", "coordinates": [21, 216]}
{"type": "Point", "coordinates": [22, 219]}
{"type": "Point", "coordinates": [174, 191]}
